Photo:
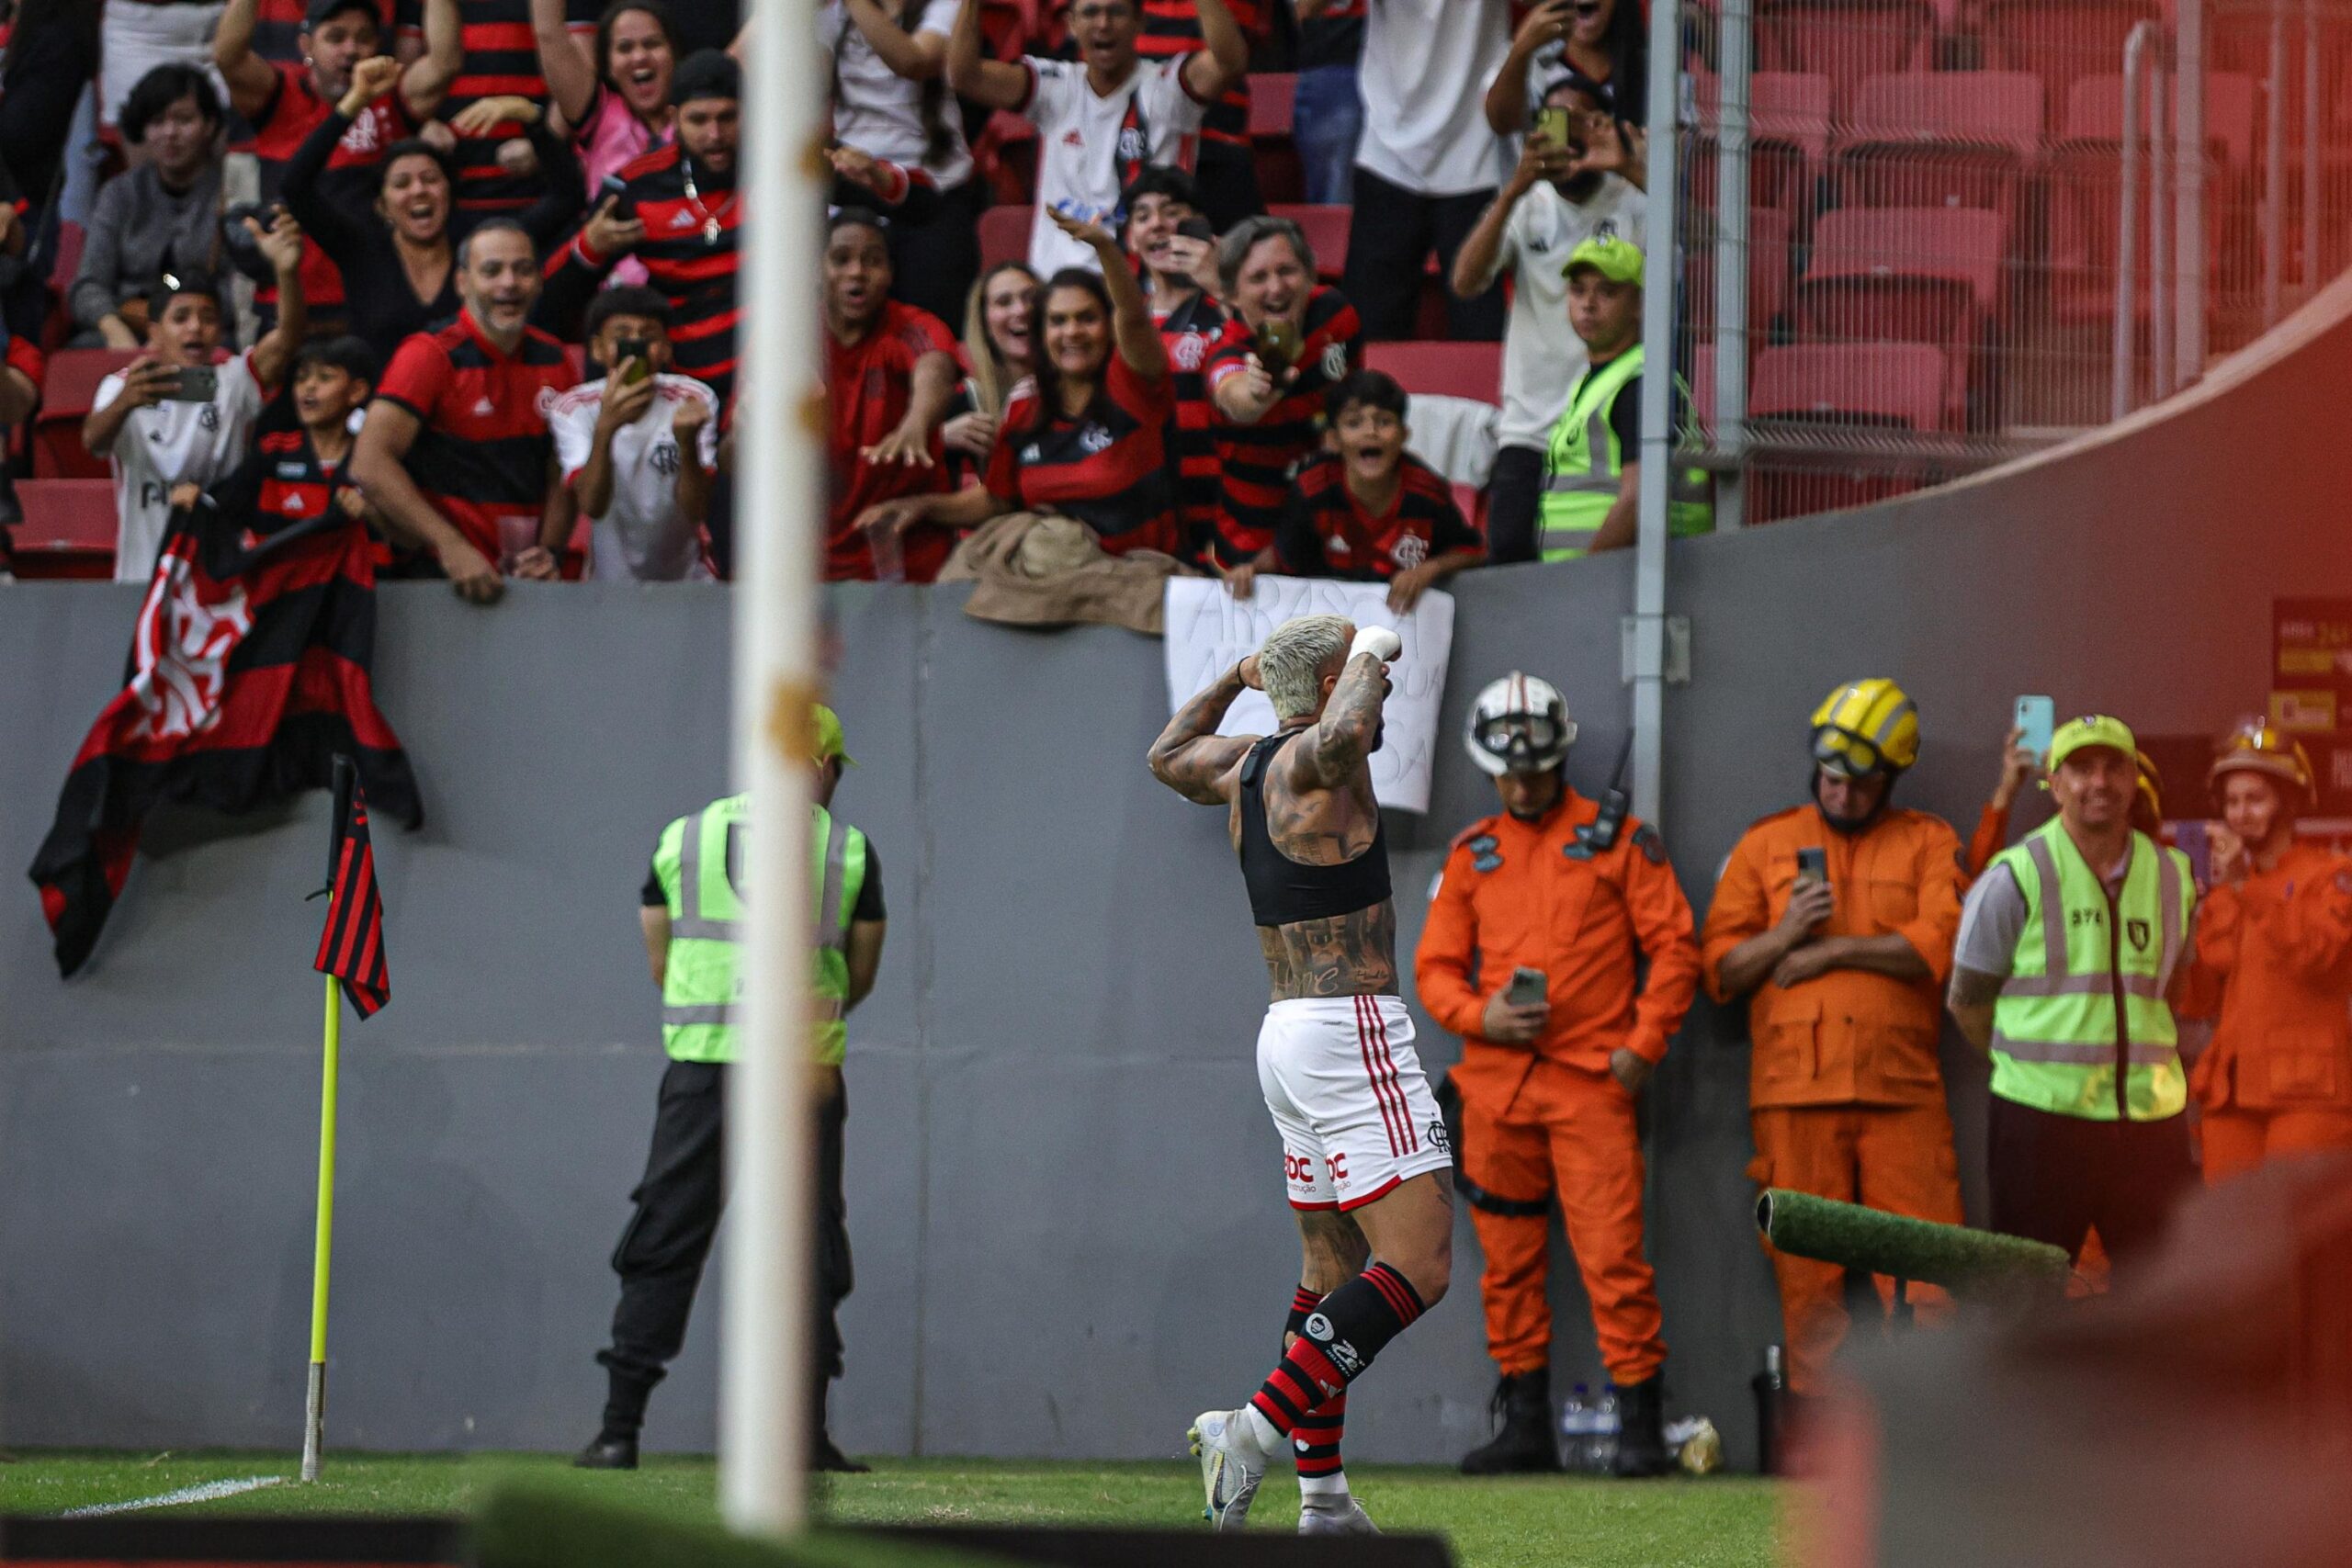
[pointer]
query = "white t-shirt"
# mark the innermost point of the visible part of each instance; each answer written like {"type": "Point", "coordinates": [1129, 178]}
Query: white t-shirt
{"type": "Point", "coordinates": [171, 443]}
{"type": "Point", "coordinates": [642, 537]}
{"type": "Point", "coordinates": [879, 111]}
{"type": "Point", "coordinates": [1543, 356]}
{"type": "Point", "coordinates": [1080, 152]}
{"type": "Point", "coordinates": [1427, 65]}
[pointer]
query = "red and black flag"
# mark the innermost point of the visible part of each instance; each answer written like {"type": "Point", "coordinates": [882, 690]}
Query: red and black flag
{"type": "Point", "coordinates": [352, 947]}
{"type": "Point", "coordinates": [249, 674]}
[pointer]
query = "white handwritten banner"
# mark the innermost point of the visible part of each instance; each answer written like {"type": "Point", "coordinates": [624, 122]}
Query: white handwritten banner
{"type": "Point", "coordinates": [1209, 631]}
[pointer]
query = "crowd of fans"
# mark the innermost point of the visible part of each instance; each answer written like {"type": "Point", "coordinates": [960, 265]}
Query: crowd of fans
{"type": "Point", "coordinates": [483, 200]}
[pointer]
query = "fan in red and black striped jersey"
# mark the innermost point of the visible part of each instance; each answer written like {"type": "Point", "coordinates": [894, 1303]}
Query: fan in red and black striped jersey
{"type": "Point", "coordinates": [1370, 511]}
{"type": "Point", "coordinates": [1179, 271]}
{"type": "Point", "coordinates": [1085, 436]}
{"type": "Point", "coordinates": [1227, 172]}
{"type": "Point", "coordinates": [889, 375]}
{"type": "Point", "coordinates": [501, 60]}
{"type": "Point", "coordinates": [1269, 415]}
{"type": "Point", "coordinates": [284, 97]}
{"type": "Point", "coordinates": [685, 198]}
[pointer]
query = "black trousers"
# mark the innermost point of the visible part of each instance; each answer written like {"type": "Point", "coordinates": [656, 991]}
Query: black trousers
{"type": "Point", "coordinates": [1390, 238]}
{"type": "Point", "coordinates": [1225, 179]}
{"type": "Point", "coordinates": [2055, 1177]}
{"type": "Point", "coordinates": [1513, 493]}
{"type": "Point", "coordinates": [661, 1251]}
{"type": "Point", "coordinates": [934, 241]}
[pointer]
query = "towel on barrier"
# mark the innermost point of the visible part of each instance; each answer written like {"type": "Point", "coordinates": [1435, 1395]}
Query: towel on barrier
{"type": "Point", "coordinates": [1029, 570]}
{"type": "Point", "coordinates": [1454, 435]}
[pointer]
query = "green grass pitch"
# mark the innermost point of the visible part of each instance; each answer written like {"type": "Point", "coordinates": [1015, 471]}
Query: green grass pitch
{"type": "Point", "coordinates": [1521, 1522]}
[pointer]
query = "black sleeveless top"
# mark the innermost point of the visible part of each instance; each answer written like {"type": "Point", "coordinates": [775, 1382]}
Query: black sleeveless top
{"type": "Point", "coordinates": [1284, 891]}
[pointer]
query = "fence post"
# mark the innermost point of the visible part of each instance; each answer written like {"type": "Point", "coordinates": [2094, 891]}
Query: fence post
{"type": "Point", "coordinates": [2312, 276]}
{"type": "Point", "coordinates": [1649, 670]}
{"type": "Point", "coordinates": [2160, 277]}
{"type": "Point", "coordinates": [2274, 179]}
{"type": "Point", "coordinates": [1736, 39]}
{"type": "Point", "coordinates": [2190, 275]}
{"type": "Point", "coordinates": [2127, 227]}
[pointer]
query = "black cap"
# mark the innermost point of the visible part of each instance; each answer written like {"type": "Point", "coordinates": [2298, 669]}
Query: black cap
{"type": "Point", "coordinates": [707, 74]}
{"type": "Point", "coordinates": [319, 12]}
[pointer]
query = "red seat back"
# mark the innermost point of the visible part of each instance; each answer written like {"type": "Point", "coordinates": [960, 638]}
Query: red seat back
{"type": "Point", "coordinates": [68, 389]}
{"type": "Point", "coordinates": [1005, 234]}
{"type": "Point", "coordinates": [1846, 40]}
{"type": "Point", "coordinates": [1452, 369]}
{"type": "Point", "coordinates": [69, 528]}
{"type": "Point", "coordinates": [1899, 384]}
{"type": "Point", "coordinates": [2060, 41]}
{"type": "Point", "coordinates": [1326, 231]}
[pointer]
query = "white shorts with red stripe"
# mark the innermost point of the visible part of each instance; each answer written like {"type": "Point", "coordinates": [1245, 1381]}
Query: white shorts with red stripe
{"type": "Point", "coordinates": [1355, 1114]}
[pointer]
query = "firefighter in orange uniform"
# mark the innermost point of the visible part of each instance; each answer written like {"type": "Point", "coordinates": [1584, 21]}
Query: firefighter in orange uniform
{"type": "Point", "coordinates": [1838, 918]}
{"type": "Point", "coordinates": [1574, 894]}
{"type": "Point", "coordinates": [2274, 938]}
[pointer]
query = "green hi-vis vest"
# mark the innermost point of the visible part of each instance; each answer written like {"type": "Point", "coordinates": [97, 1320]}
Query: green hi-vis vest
{"type": "Point", "coordinates": [2087, 985]}
{"type": "Point", "coordinates": [1584, 470]}
{"type": "Point", "coordinates": [702, 982]}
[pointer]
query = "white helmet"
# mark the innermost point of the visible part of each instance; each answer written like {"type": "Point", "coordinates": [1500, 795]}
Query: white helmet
{"type": "Point", "coordinates": [1519, 725]}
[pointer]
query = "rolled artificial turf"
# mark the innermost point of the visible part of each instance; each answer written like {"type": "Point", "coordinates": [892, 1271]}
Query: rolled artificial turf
{"type": "Point", "coordinates": [1972, 1264]}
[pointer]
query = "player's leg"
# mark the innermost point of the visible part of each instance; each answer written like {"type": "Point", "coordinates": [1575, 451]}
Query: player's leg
{"type": "Point", "coordinates": [1333, 1251]}
{"type": "Point", "coordinates": [660, 1253]}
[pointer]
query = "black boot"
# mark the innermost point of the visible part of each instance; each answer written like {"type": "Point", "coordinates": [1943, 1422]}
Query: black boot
{"type": "Point", "coordinates": [608, 1451]}
{"type": "Point", "coordinates": [1641, 1438]}
{"type": "Point", "coordinates": [1525, 1443]}
{"type": "Point", "coordinates": [823, 1455]}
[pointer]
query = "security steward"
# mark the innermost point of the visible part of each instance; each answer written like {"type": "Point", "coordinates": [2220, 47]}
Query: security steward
{"type": "Point", "coordinates": [2073, 946]}
{"type": "Point", "coordinates": [1557, 898]}
{"type": "Point", "coordinates": [2274, 950]}
{"type": "Point", "coordinates": [1836, 919]}
{"type": "Point", "coordinates": [1593, 466]}
{"type": "Point", "coordinates": [693, 905]}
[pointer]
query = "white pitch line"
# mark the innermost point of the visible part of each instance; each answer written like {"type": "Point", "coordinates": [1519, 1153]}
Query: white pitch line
{"type": "Point", "coordinates": [204, 1493]}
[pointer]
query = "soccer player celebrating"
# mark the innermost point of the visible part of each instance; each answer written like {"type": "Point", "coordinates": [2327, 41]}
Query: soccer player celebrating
{"type": "Point", "coordinates": [1364, 1152]}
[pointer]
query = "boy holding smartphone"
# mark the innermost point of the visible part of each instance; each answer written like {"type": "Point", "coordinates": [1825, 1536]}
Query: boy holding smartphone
{"type": "Point", "coordinates": [182, 413]}
{"type": "Point", "coordinates": [638, 447]}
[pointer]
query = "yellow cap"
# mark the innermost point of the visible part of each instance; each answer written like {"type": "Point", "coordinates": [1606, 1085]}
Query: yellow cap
{"type": "Point", "coordinates": [1619, 261]}
{"type": "Point", "coordinates": [2091, 729]}
{"type": "Point", "coordinates": [829, 735]}
{"type": "Point", "coordinates": [1865, 727]}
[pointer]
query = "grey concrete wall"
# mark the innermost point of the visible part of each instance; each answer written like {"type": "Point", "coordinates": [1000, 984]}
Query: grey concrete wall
{"type": "Point", "coordinates": [1069, 1235]}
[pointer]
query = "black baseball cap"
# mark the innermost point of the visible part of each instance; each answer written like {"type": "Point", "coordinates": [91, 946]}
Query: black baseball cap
{"type": "Point", "coordinates": [321, 12]}
{"type": "Point", "coordinates": [706, 73]}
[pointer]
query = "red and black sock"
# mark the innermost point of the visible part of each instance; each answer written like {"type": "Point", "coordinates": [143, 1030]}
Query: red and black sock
{"type": "Point", "coordinates": [1336, 1343]}
{"type": "Point", "coordinates": [1316, 1439]}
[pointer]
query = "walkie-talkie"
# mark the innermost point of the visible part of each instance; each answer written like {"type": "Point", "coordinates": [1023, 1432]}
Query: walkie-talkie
{"type": "Point", "coordinates": [1600, 833]}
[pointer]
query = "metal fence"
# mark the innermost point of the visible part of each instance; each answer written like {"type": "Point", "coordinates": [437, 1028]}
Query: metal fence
{"type": "Point", "coordinates": [1924, 236]}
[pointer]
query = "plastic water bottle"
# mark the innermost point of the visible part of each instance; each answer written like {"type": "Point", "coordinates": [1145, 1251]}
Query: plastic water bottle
{"type": "Point", "coordinates": [1606, 1426]}
{"type": "Point", "coordinates": [1576, 1428]}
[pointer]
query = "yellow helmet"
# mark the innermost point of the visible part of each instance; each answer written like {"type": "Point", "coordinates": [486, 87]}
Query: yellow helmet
{"type": "Point", "coordinates": [2150, 818]}
{"type": "Point", "coordinates": [2255, 747]}
{"type": "Point", "coordinates": [1865, 727]}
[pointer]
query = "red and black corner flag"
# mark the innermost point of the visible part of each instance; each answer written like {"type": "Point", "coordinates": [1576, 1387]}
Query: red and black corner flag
{"type": "Point", "coordinates": [352, 947]}
{"type": "Point", "coordinates": [249, 675]}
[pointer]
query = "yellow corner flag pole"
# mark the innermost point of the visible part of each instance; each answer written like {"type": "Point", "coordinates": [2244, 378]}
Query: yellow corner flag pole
{"type": "Point", "coordinates": [314, 1427]}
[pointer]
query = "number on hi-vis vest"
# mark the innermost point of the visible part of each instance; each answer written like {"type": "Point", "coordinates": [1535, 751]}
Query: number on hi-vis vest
{"type": "Point", "coordinates": [1209, 631]}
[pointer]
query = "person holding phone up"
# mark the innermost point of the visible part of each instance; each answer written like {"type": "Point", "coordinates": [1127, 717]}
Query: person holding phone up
{"type": "Point", "coordinates": [1536, 930]}
{"type": "Point", "coordinates": [1836, 919]}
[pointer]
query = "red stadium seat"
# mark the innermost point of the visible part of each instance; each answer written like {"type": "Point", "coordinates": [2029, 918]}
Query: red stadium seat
{"type": "Point", "coordinates": [1472, 502]}
{"type": "Point", "coordinates": [1922, 275]}
{"type": "Point", "coordinates": [1846, 40]}
{"type": "Point", "coordinates": [1272, 98]}
{"type": "Point", "coordinates": [2062, 42]}
{"type": "Point", "coordinates": [2086, 197]}
{"type": "Point", "coordinates": [1897, 385]}
{"type": "Point", "coordinates": [1945, 139]}
{"type": "Point", "coordinates": [67, 392]}
{"type": "Point", "coordinates": [1471, 370]}
{"type": "Point", "coordinates": [1789, 121]}
{"type": "Point", "coordinates": [1005, 234]}
{"type": "Point", "coordinates": [1327, 232]}
{"type": "Point", "coordinates": [69, 528]}
{"type": "Point", "coordinates": [1768, 273]}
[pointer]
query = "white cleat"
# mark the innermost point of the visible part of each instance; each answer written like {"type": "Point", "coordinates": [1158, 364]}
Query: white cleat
{"type": "Point", "coordinates": [1340, 1515]}
{"type": "Point", "coordinates": [1231, 1465]}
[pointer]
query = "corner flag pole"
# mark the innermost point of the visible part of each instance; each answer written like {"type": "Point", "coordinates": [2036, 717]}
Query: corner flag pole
{"type": "Point", "coordinates": [322, 1246]}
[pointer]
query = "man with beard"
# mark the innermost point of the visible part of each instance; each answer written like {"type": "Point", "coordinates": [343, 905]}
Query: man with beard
{"type": "Point", "coordinates": [1558, 197]}
{"type": "Point", "coordinates": [1542, 918]}
{"type": "Point", "coordinates": [1836, 919]}
{"type": "Point", "coordinates": [1364, 1154]}
{"type": "Point", "coordinates": [2276, 937]}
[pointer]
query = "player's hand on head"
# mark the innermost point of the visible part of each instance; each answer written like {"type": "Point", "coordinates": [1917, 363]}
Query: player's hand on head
{"type": "Point", "coordinates": [1248, 671]}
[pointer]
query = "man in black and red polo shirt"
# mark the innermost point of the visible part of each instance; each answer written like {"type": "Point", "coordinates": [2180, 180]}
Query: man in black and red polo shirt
{"type": "Point", "coordinates": [1290, 342]}
{"type": "Point", "coordinates": [284, 102]}
{"type": "Point", "coordinates": [456, 452]}
{"type": "Point", "coordinates": [501, 60]}
{"type": "Point", "coordinates": [1159, 202]}
{"type": "Point", "coordinates": [1370, 511]}
{"type": "Point", "coordinates": [679, 212]}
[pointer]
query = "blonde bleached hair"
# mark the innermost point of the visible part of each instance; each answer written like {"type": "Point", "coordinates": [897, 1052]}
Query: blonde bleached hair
{"type": "Point", "coordinates": [1289, 665]}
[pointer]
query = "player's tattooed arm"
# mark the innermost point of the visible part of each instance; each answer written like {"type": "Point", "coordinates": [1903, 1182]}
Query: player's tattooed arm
{"type": "Point", "coordinates": [1350, 727]}
{"type": "Point", "coordinates": [1191, 757]}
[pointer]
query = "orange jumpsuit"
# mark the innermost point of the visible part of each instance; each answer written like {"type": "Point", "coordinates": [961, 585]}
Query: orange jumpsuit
{"type": "Point", "coordinates": [1548, 1119]}
{"type": "Point", "coordinates": [2277, 950]}
{"type": "Point", "coordinates": [1844, 1095]}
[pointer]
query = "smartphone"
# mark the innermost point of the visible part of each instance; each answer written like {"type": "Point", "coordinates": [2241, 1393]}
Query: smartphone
{"type": "Point", "coordinates": [1528, 988]}
{"type": "Point", "coordinates": [196, 384]}
{"type": "Point", "coordinates": [2038, 717]}
{"type": "Point", "coordinates": [630, 362]}
{"type": "Point", "coordinates": [1278, 345]}
{"type": "Point", "coordinates": [1812, 864]}
{"type": "Point", "coordinates": [1197, 228]}
{"type": "Point", "coordinates": [1555, 122]}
